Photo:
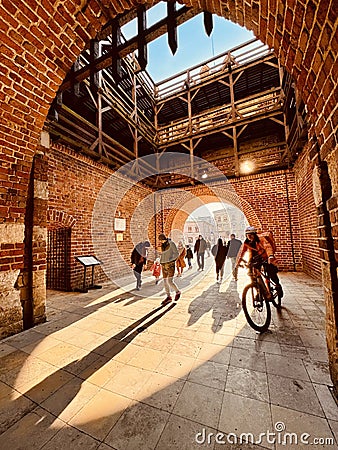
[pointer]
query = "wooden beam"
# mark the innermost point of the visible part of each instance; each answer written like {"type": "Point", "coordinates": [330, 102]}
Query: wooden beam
{"type": "Point", "coordinates": [221, 128]}
{"type": "Point", "coordinates": [93, 55]}
{"type": "Point", "coordinates": [141, 37]}
{"type": "Point", "coordinates": [208, 24]}
{"type": "Point", "coordinates": [115, 59]}
{"type": "Point", "coordinates": [103, 62]}
{"type": "Point", "coordinates": [172, 26]}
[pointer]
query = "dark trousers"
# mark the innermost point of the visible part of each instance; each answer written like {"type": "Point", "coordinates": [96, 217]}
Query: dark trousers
{"type": "Point", "coordinates": [271, 271]}
{"type": "Point", "coordinates": [200, 260]}
{"type": "Point", "coordinates": [138, 279]}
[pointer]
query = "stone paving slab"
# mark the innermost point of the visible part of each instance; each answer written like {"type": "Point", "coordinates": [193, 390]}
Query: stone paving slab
{"type": "Point", "coordinates": [112, 369]}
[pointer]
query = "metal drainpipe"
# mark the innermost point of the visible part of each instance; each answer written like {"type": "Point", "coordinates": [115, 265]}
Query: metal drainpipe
{"type": "Point", "coordinates": [290, 222]}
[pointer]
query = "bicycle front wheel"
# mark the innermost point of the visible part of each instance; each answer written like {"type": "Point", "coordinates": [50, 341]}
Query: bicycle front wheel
{"type": "Point", "coordinates": [257, 311]}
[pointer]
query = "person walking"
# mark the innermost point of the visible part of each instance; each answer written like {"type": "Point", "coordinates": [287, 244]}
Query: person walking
{"type": "Point", "coordinates": [168, 259]}
{"type": "Point", "coordinates": [156, 270]}
{"type": "Point", "coordinates": [220, 252]}
{"type": "Point", "coordinates": [139, 260]}
{"type": "Point", "coordinates": [234, 246]}
{"type": "Point", "coordinates": [180, 263]}
{"type": "Point", "coordinates": [208, 248]}
{"type": "Point", "coordinates": [189, 256]}
{"type": "Point", "coordinates": [199, 249]}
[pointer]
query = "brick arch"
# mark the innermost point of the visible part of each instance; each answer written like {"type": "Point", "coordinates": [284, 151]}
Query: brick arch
{"type": "Point", "coordinates": [42, 51]}
{"type": "Point", "coordinates": [59, 219]}
{"type": "Point", "coordinates": [39, 46]}
{"type": "Point", "coordinates": [177, 216]}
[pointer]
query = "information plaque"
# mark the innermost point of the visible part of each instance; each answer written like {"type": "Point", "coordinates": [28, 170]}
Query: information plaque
{"type": "Point", "coordinates": [88, 261]}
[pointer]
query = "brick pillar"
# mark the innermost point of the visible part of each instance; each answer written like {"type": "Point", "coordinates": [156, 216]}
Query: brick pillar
{"type": "Point", "coordinates": [33, 289]}
{"type": "Point", "coordinates": [11, 260]}
{"type": "Point", "coordinates": [327, 207]}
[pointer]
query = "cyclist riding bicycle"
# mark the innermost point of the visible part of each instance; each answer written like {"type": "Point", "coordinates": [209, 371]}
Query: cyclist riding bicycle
{"type": "Point", "coordinates": [260, 254]}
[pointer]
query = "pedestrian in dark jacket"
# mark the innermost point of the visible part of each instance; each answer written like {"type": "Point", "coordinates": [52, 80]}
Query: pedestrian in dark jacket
{"type": "Point", "coordinates": [200, 248]}
{"type": "Point", "coordinates": [169, 254]}
{"type": "Point", "coordinates": [139, 260]}
{"type": "Point", "coordinates": [189, 256]}
{"type": "Point", "coordinates": [220, 252]}
{"type": "Point", "coordinates": [234, 246]}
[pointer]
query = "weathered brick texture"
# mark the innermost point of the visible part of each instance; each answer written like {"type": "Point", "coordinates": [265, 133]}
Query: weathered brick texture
{"type": "Point", "coordinates": [74, 184]}
{"type": "Point", "coordinates": [40, 42]}
{"type": "Point", "coordinates": [269, 202]}
{"type": "Point", "coordinates": [307, 215]}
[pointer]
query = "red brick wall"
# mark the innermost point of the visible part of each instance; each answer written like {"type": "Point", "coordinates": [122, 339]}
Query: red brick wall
{"type": "Point", "coordinates": [307, 216]}
{"type": "Point", "coordinates": [40, 42]}
{"type": "Point", "coordinates": [269, 202]}
{"type": "Point", "coordinates": [272, 197]}
{"type": "Point", "coordinates": [74, 183]}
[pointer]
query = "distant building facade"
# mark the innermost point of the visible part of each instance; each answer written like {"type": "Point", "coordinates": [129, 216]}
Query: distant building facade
{"type": "Point", "coordinates": [201, 225]}
{"type": "Point", "coordinates": [230, 220]}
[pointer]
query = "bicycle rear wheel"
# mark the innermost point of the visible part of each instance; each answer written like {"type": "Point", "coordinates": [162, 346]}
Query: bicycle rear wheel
{"type": "Point", "coordinates": [256, 309]}
{"type": "Point", "coordinates": [276, 298]}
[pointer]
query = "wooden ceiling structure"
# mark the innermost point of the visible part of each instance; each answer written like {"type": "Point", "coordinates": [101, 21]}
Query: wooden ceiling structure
{"type": "Point", "coordinates": [237, 106]}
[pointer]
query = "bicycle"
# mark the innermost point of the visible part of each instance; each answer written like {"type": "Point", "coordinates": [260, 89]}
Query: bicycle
{"type": "Point", "coordinates": [257, 296]}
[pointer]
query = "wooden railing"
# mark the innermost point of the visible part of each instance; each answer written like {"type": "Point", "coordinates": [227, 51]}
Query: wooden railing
{"type": "Point", "coordinates": [242, 54]}
{"type": "Point", "coordinates": [220, 118]}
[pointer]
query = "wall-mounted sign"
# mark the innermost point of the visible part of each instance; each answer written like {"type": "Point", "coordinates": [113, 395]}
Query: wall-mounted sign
{"type": "Point", "coordinates": [119, 237]}
{"type": "Point", "coordinates": [119, 224]}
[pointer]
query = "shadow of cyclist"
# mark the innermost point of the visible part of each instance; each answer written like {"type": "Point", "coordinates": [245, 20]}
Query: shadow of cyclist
{"type": "Point", "coordinates": [224, 305]}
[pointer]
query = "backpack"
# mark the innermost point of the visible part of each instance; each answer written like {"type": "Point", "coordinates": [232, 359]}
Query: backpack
{"type": "Point", "coordinates": [269, 237]}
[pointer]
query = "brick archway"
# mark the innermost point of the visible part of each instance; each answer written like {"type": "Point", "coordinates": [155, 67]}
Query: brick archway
{"type": "Point", "coordinates": [40, 44]}
{"type": "Point", "coordinates": [179, 204]}
{"type": "Point", "coordinates": [38, 53]}
{"type": "Point", "coordinates": [177, 217]}
{"type": "Point", "coordinates": [59, 219]}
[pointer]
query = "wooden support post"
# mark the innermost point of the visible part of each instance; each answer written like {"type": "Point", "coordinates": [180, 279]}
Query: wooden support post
{"type": "Point", "coordinates": [115, 58]}
{"type": "Point", "coordinates": [156, 137]}
{"type": "Point", "coordinates": [191, 150]}
{"type": "Point", "coordinates": [286, 126]}
{"type": "Point", "coordinates": [99, 120]}
{"type": "Point", "coordinates": [94, 54]}
{"type": "Point", "coordinates": [135, 131]}
{"type": "Point", "coordinates": [208, 24]}
{"type": "Point", "coordinates": [141, 40]}
{"type": "Point", "coordinates": [172, 26]}
{"type": "Point", "coordinates": [232, 96]}
{"type": "Point", "coordinates": [234, 136]}
{"type": "Point", "coordinates": [76, 86]}
{"type": "Point", "coordinates": [189, 111]}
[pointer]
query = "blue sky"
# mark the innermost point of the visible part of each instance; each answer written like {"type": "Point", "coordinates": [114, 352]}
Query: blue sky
{"type": "Point", "coordinates": [194, 46]}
